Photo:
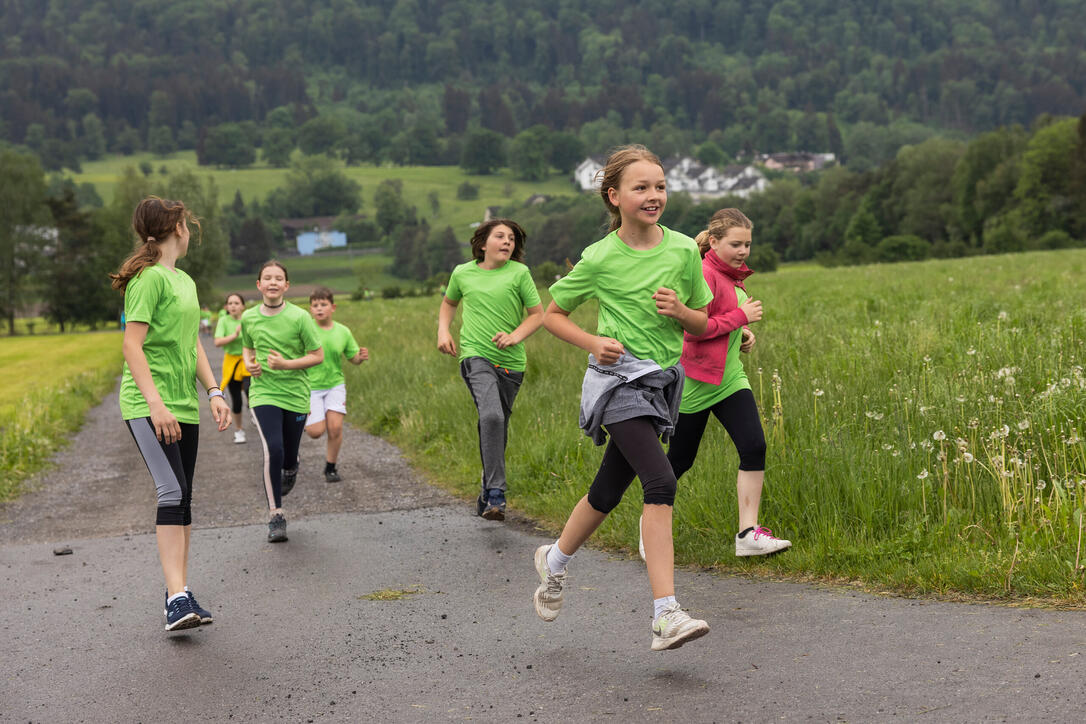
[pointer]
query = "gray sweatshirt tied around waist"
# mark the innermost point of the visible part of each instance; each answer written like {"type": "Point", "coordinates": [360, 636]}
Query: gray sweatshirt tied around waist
{"type": "Point", "coordinates": [630, 388]}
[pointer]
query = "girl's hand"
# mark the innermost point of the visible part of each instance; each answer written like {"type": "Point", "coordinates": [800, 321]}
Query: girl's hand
{"type": "Point", "coordinates": [748, 341]}
{"type": "Point", "coordinates": [446, 344]}
{"type": "Point", "coordinates": [220, 411]}
{"type": "Point", "coordinates": [253, 369]}
{"type": "Point", "coordinates": [753, 309]}
{"type": "Point", "coordinates": [276, 361]}
{"type": "Point", "coordinates": [607, 350]}
{"type": "Point", "coordinates": [362, 356]}
{"type": "Point", "coordinates": [167, 429]}
{"type": "Point", "coordinates": [667, 303]}
{"type": "Point", "coordinates": [503, 340]}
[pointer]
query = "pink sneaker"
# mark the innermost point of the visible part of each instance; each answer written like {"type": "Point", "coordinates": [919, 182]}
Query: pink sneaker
{"type": "Point", "coordinates": [760, 542]}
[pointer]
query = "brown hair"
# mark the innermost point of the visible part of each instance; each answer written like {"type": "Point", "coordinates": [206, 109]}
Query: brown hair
{"type": "Point", "coordinates": [155, 220]}
{"type": "Point", "coordinates": [482, 233]}
{"type": "Point", "coordinates": [611, 175]}
{"type": "Point", "coordinates": [322, 293]}
{"type": "Point", "coordinates": [719, 225]}
{"type": "Point", "coordinates": [235, 294]}
{"type": "Point", "coordinates": [272, 262]}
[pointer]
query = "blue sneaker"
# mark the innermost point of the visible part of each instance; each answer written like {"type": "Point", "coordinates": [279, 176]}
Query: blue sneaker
{"type": "Point", "coordinates": [181, 615]}
{"type": "Point", "coordinates": [205, 615]}
{"type": "Point", "coordinates": [495, 505]}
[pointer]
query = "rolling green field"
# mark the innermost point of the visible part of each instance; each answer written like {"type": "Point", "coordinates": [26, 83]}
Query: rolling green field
{"type": "Point", "coordinates": [59, 377]}
{"type": "Point", "coordinates": [339, 272]}
{"type": "Point", "coordinates": [418, 182]}
{"type": "Point", "coordinates": [923, 423]}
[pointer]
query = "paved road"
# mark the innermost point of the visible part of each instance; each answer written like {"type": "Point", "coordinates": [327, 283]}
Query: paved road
{"type": "Point", "coordinates": [299, 637]}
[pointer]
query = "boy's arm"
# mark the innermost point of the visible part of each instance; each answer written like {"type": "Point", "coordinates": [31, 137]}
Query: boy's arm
{"type": "Point", "coordinates": [312, 358]}
{"type": "Point", "coordinates": [445, 314]}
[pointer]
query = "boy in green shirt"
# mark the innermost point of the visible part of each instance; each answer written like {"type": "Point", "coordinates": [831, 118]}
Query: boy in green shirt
{"type": "Point", "coordinates": [328, 396]}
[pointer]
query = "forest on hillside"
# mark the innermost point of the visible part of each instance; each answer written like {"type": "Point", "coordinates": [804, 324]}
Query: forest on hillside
{"type": "Point", "coordinates": [405, 81]}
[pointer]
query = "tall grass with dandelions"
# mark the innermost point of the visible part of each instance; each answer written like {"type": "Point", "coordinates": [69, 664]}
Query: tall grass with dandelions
{"type": "Point", "coordinates": [923, 420]}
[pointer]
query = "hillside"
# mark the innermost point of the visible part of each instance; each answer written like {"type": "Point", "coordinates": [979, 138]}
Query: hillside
{"type": "Point", "coordinates": [403, 80]}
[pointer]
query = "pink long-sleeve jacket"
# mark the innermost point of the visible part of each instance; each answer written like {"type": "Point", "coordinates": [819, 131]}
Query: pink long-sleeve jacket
{"type": "Point", "coordinates": [704, 355]}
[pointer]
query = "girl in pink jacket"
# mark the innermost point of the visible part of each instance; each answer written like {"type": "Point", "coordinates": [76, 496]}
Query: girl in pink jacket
{"type": "Point", "coordinates": [716, 381]}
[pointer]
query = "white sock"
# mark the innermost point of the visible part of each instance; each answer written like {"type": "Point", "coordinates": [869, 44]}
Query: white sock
{"type": "Point", "coordinates": [176, 596]}
{"type": "Point", "coordinates": [556, 559]}
{"type": "Point", "coordinates": [660, 604]}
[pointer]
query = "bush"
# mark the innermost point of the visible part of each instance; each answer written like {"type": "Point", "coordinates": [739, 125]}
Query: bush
{"type": "Point", "coordinates": [391, 292]}
{"type": "Point", "coordinates": [763, 258]}
{"type": "Point", "coordinates": [1056, 239]}
{"type": "Point", "coordinates": [546, 273]}
{"type": "Point", "coordinates": [905, 247]}
{"type": "Point", "coordinates": [467, 191]}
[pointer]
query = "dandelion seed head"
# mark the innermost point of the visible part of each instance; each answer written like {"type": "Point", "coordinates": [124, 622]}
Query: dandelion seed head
{"type": "Point", "coordinates": [1023, 424]}
{"type": "Point", "coordinates": [970, 351]}
{"type": "Point", "coordinates": [1003, 316]}
{"type": "Point", "coordinates": [967, 457]}
{"type": "Point", "coordinates": [960, 398]}
{"type": "Point", "coordinates": [818, 393]}
{"type": "Point", "coordinates": [938, 435]}
{"type": "Point", "coordinates": [923, 474]}
{"type": "Point", "coordinates": [973, 423]}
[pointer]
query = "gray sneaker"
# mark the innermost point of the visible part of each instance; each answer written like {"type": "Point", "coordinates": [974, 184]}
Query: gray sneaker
{"type": "Point", "coordinates": [548, 597]}
{"type": "Point", "coordinates": [674, 627]}
{"type": "Point", "coordinates": [277, 529]}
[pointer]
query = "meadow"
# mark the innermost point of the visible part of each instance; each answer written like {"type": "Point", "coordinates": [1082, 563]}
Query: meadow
{"type": "Point", "coordinates": [418, 183]}
{"type": "Point", "coordinates": [59, 377]}
{"type": "Point", "coordinates": [340, 272]}
{"type": "Point", "coordinates": [923, 423]}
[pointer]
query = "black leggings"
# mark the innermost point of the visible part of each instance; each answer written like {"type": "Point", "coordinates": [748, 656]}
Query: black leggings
{"type": "Point", "coordinates": [237, 387]}
{"type": "Point", "coordinates": [280, 433]}
{"type": "Point", "coordinates": [738, 413]}
{"type": "Point", "coordinates": [171, 467]}
{"type": "Point", "coordinates": [634, 450]}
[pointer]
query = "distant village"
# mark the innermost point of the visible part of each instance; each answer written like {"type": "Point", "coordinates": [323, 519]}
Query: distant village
{"type": "Point", "coordinates": [683, 174]}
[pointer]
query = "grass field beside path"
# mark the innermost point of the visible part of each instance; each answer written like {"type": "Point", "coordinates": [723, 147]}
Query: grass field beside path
{"type": "Point", "coordinates": [923, 423]}
{"type": "Point", "coordinates": [53, 381]}
{"type": "Point", "coordinates": [418, 182]}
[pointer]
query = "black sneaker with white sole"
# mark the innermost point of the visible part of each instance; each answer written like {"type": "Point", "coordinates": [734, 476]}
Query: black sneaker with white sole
{"type": "Point", "coordinates": [205, 615]}
{"type": "Point", "coordinates": [180, 614]}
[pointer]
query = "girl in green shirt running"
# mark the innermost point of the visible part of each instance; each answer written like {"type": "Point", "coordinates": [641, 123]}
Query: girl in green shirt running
{"type": "Point", "coordinates": [647, 280]}
{"type": "Point", "coordinates": [163, 359]}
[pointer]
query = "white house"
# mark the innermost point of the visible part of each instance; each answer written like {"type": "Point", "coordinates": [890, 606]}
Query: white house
{"type": "Point", "coordinates": [584, 176]}
{"type": "Point", "coordinates": [797, 162]}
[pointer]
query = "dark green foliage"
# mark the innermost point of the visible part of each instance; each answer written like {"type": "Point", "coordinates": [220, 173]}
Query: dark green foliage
{"type": "Point", "coordinates": [226, 145]}
{"type": "Point", "coordinates": [72, 277]}
{"type": "Point", "coordinates": [483, 152]}
{"type": "Point", "coordinates": [902, 248]}
{"type": "Point", "coordinates": [316, 186]}
{"type": "Point", "coordinates": [252, 245]}
{"type": "Point", "coordinates": [467, 191]}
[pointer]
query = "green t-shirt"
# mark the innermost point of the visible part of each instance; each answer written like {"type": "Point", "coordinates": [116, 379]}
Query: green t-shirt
{"type": "Point", "coordinates": [494, 301]}
{"type": "Point", "coordinates": [338, 342]}
{"type": "Point", "coordinates": [698, 395]}
{"type": "Point", "coordinates": [293, 334]}
{"type": "Point", "coordinates": [228, 325]}
{"type": "Point", "coordinates": [624, 280]}
{"type": "Point", "coordinates": [166, 301]}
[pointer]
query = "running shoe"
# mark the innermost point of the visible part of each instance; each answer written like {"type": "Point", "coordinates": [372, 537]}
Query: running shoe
{"type": "Point", "coordinates": [674, 627]}
{"type": "Point", "coordinates": [181, 615]}
{"type": "Point", "coordinates": [495, 505]}
{"type": "Point", "coordinates": [239, 437]}
{"type": "Point", "coordinates": [289, 478]}
{"type": "Point", "coordinates": [332, 476]}
{"type": "Point", "coordinates": [548, 597]}
{"type": "Point", "coordinates": [760, 542]}
{"type": "Point", "coordinates": [277, 528]}
{"type": "Point", "coordinates": [205, 615]}
{"type": "Point", "coordinates": [480, 504]}
{"type": "Point", "coordinates": [640, 538]}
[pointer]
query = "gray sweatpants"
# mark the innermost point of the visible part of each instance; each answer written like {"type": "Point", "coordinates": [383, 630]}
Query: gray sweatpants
{"type": "Point", "coordinates": [494, 389]}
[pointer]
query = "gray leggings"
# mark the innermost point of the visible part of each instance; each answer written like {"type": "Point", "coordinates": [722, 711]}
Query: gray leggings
{"type": "Point", "coordinates": [493, 389]}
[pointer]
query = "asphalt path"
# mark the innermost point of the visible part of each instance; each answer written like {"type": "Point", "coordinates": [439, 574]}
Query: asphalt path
{"type": "Point", "coordinates": [392, 602]}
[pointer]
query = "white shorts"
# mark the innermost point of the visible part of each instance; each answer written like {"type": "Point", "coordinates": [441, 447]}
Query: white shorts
{"type": "Point", "coordinates": [322, 401]}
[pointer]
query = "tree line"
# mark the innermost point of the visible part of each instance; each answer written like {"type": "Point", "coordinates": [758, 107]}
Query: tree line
{"type": "Point", "coordinates": [406, 81]}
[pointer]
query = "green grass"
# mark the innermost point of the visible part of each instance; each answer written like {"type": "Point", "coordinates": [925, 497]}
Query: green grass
{"type": "Point", "coordinates": [59, 377]}
{"type": "Point", "coordinates": [418, 182]}
{"type": "Point", "coordinates": [889, 381]}
{"type": "Point", "coordinates": [339, 272]}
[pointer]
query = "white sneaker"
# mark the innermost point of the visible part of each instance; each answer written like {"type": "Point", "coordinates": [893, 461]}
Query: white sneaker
{"type": "Point", "coordinates": [548, 597]}
{"type": "Point", "coordinates": [239, 436]}
{"type": "Point", "coordinates": [640, 538]}
{"type": "Point", "coordinates": [674, 627]}
{"type": "Point", "coordinates": [760, 542]}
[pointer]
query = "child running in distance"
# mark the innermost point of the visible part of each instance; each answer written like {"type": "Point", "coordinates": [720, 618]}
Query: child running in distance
{"type": "Point", "coordinates": [234, 375]}
{"type": "Point", "coordinates": [648, 282]}
{"type": "Point", "coordinates": [716, 381]}
{"type": "Point", "coordinates": [328, 396]}
{"type": "Point", "coordinates": [497, 289]}
{"type": "Point", "coordinates": [163, 361]}
{"type": "Point", "coordinates": [279, 342]}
